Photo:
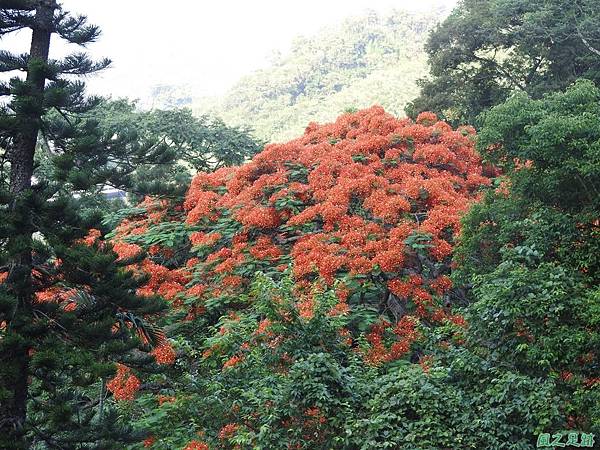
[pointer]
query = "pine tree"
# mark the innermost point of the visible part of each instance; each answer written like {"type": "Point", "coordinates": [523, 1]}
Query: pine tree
{"type": "Point", "coordinates": [68, 309]}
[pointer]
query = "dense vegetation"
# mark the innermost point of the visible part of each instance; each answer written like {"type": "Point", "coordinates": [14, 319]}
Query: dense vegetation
{"type": "Point", "coordinates": [352, 335]}
{"type": "Point", "coordinates": [531, 249]}
{"type": "Point", "coordinates": [189, 144]}
{"type": "Point", "coordinates": [68, 311]}
{"type": "Point", "coordinates": [367, 60]}
{"type": "Point", "coordinates": [487, 50]}
{"type": "Point", "coordinates": [375, 282]}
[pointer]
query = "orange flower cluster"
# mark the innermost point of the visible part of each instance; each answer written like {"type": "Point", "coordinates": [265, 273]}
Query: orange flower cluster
{"type": "Point", "coordinates": [265, 249]}
{"type": "Point", "coordinates": [312, 423]}
{"type": "Point", "coordinates": [91, 238]}
{"type": "Point", "coordinates": [405, 332]}
{"type": "Point", "coordinates": [54, 294]}
{"type": "Point", "coordinates": [591, 382]}
{"type": "Point", "coordinates": [196, 445]}
{"type": "Point", "coordinates": [346, 198]}
{"type": "Point", "coordinates": [316, 415]}
{"type": "Point", "coordinates": [263, 327]}
{"type": "Point", "coordinates": [164, 354]}
{"type": "Point", "coordinates": [125, 250]}
{"type": "Point", "coordinates": [124, 385]}
{"type": "Point", "coordinates": [371, 181]}
{"type": "Point", "coordinates": [201, 239]}
{"type": "Point", "coordinates": [165, 399]}
{"type": "Point", "coordinates": [228, 431]}
{"type": "Point", "coordinates": [306, 308]}
{"type": "Point", "coordinates": [163, 281]}
{"type": "Point", "coordinates": [425, 363]}
{"type": "Point", "coordinates": [233, 361]}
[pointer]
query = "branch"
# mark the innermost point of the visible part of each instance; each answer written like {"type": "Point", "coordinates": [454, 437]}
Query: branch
{"type": "Point", "coordinates": [584, 40]}
{"type": "Point", "coordinates": [498, 68]}
{"type": "Point", "coordinates": [586, 43]}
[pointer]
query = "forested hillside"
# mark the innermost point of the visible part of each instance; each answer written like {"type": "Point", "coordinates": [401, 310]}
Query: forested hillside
{"type": "Point", "coordinates": [373, 59]}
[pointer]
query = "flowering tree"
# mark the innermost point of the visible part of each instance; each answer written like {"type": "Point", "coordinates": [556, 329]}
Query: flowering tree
{"type": "Point", "coordinates": [368, 206]}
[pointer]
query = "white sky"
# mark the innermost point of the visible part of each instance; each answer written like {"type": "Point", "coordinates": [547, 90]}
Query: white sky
{"type": "Point", "coordinates": [206, 44]}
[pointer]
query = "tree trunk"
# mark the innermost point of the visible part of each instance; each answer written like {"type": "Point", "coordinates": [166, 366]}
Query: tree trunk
{"type": "Point", "coordinates": [19, 279]}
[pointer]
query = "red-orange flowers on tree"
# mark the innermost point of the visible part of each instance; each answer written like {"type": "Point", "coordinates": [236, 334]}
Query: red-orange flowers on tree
{"type": "Point", "coordinates": [124, 385]}
{"type": "Point", "coordinates": [196, 445]}
{"type": "Point", "coordinates": [164, 354]}
{"type": "Point", "coordinates": [367, 198]}
{"type": "Point", "coordinates": [228, 431]}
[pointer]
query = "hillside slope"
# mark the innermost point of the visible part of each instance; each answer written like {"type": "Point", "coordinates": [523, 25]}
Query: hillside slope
{"type": "Point", "coordinates": [367, 60]}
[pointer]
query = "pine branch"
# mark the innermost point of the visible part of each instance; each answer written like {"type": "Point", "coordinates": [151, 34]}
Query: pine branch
{"type": "Point", "coordinates": [76, 30]}
{"type": "Point", "coordinates": [79, 64]}
{"type": "Point", "coordinates": [14, 20]}
{"type": "Point", "coordinates": [4, 89]}
{"type": "Point", "coordinates": [68, 96]}
{"type": "Point", "coordinates": [10, 62]}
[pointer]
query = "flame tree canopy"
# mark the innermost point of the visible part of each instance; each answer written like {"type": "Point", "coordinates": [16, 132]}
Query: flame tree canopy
{"type": "Point", "coordinates": [369, 205]}
{"type": "Point", "coordinates": [311, 303]}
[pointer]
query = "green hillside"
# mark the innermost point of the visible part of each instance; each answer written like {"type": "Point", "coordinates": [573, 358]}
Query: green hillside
{"type": "Point", "coordinates": [372, 59]}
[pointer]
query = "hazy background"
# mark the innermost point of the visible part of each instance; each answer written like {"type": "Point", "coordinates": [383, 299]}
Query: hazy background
{"type": "Point", "coordinates": [207, 45]}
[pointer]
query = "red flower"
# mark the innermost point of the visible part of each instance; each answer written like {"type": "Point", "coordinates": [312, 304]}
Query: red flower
{"type": "Point", "coordinates": [125, 250]}
{"type": "Point", "coordinates": [426, 118]}
{"type": "Point", "coordinates": [124, 385]}
{"type": "Point", "coordinates": [400, 288]}
{"type": "Point", "coordinates": [164, 354]}
{"type": "Point", "coordinates": [92, 237]}
{"type": "Point", "coordinates": [306, 308]}
{"type": "Point", "coordinates": [228, 431]}
{"type": "Point", "coordinates": [165, 399]}
{"type": "Point", "coordinates": [233, 361]}
{"type": "Point", "coordinates": [425, 363]}
{"type": "Point", "coordinates": [196, 445]}
{"type": "Point", "coordinates": [565, 375]}
{"type": "Point", "coordinates": [343, 200]}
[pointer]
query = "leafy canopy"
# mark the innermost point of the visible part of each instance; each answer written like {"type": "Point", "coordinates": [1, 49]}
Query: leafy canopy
{"type": "Point", "coordinates": [488, 49]}
{"type": "Point", "coordinates": [531, 249]}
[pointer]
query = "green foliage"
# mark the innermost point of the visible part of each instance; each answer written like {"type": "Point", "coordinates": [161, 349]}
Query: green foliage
{"type": "Point", "coordinates": [297, 383]}
{"type": "Point", "coordinates": [68, 307]}
{"type": "Point", "coordinates": [410, 409]}
{"type": "Point", "coordinates": [187, 144]}
{"type": "Point", "coordinates": [531, 255]}
{"type": "Point", "coordinates": [561, 135]}
{"type": "Point", "coordinates": [487, 50]}
{"type": "Point", "coordinates": [274, 366]}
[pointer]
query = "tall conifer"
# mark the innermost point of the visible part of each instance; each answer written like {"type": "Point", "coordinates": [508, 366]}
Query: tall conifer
{"type": "Point", "coordinates": [68, 309]}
